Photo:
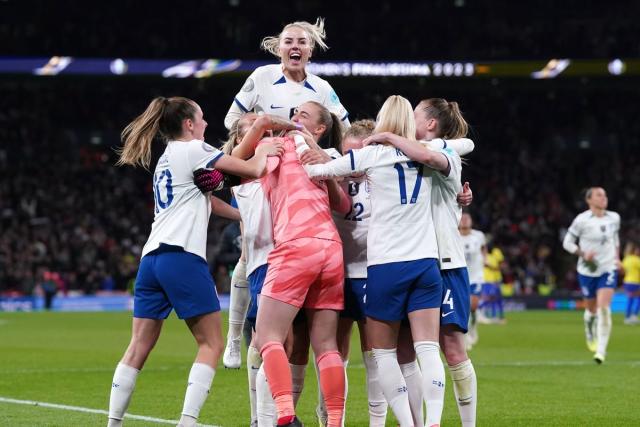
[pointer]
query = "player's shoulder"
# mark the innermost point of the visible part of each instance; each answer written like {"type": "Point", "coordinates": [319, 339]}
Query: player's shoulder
{"type": "Point", "coordinates": [196, 144]}
{"type": "Point", "coordinates": [614, 215]}
{"type": "Point", "coordinates": [267, 73]}
{"type": "Point", "coordinates": [477, 234]}
{"type": "Point", "coordinates": [318, 83]}
{"type": "Point", "coordinates": [584, 216]}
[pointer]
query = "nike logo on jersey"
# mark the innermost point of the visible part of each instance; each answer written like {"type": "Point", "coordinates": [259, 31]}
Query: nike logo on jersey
{"type": "Point", "coordinates": [446, 314]}
{"type": "Point", "coordinates": [240, 287]}
{"type": "Point", "coordinates": [275, 107]}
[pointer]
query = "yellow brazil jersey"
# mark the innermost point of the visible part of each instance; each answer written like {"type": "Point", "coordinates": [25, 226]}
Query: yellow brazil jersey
{"type": "Point", "coordinates": [492, 272]}
{"type": "Point", "coordinates": [631, 265]}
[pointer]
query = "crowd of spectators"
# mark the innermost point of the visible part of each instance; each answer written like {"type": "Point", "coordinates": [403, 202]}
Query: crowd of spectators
{"type": "Point", "coordinates": [65, 209]}
{"type": "Point", "coordinates": [383, 30]}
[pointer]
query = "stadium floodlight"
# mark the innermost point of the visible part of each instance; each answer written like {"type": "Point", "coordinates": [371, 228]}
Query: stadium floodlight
{"type": "Point", "coordinates": [552, 70]}
{"type": "Point", "coordinates": [617, 67]}
{"type": "Point", "coordinates": [54, 66]}
{"type": "Point", "coordinates": [118, 66]}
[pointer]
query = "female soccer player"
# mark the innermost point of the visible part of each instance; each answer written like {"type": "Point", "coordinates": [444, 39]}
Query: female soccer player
{"type": "Point", "coordinates": [631, 266]}
{"type": "Point", "coordinates": [402, 272]}
{"type": "Point", "coordinates": [294, 198]}
{"type": "Point", "coordinates": [279, 88]}
{"type": "Point", "coordinates": [593, 237]}
{"type": "Point", "coordinates": [353, 227]}
{"type": "Point", "coordinates": [475, 250]}
{"type": "Point", "coordinates": [173, 272]}
{"type": "Point", "coordinates": [438, 118]}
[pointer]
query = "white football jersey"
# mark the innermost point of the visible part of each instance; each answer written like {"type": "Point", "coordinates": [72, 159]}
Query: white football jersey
{"type": "Point", "coordinates": [257, 227]}
{"type": "Point", "coordinates": [268, 90]}
{"type": "Point", "coordinates": [401, 226]}
{"type": "Point", "coordinates": [462, 146]}
{"type": "Point", "coordinates": [181, 210]}
{"type": "Point", "coordinates": [599, 235]}
{"type": "Point", "coordinates": [353, 227]}
{"type": "Point", "coordinates": [447, 212]}
{"type": "Point", "coordinates": [472, 244]}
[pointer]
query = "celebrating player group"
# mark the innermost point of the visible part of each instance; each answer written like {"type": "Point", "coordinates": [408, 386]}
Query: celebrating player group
{"type": "Point", "coordinates": [341, 223]}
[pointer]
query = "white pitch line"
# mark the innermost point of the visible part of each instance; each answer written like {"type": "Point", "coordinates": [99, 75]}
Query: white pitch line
{"type": "Point", "coordinates": [78, 370]}
{"type": "Point", "coordinates": [91, 411]}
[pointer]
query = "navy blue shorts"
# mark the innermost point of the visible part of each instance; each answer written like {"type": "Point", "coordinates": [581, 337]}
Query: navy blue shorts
{"type": "Point", "coordinates": [354, 291]}
{"type": "Point", "coordinates": [491, 290]}
{"type": "Point", "coordinates": [256, 280]}
{"type": "Point", "coordinates": [455, 298]}
{"type": "Point", "coordinates": [170, 278]}
{"type": "Point", "coordinates": [398, 288]}
{"type": "Point", "coordinates": [476, 289]}
{"type": "Point", "coordinates": [631, 287]}
{"type": "Point", "coordinates": [590, 285]}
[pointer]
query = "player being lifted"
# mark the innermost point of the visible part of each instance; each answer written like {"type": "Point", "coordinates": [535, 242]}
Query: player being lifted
{"type": "Point", "coordinates": [277, 90]}
{"type": "Point", "coordinates": [593, 237]}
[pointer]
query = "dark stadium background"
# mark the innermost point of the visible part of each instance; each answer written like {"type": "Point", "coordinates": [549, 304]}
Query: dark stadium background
{"type": "Point", "coordinates": [65, 208]}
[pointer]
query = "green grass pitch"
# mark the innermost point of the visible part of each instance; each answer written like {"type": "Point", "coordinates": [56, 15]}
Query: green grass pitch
{"type": "Point", "coordinates": [533, 371]}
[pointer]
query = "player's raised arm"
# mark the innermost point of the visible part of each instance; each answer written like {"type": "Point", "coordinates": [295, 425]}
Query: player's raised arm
{"type": "Point", "coordinates": [257, 131]}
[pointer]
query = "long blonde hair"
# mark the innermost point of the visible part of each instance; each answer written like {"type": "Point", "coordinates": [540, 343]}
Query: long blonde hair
{"type": "Point", "coordinates": [396, 116]}
{"type": "Point", "coordinates": [162, 117]}
{"type": "Point", "coordinates": [236, 133]}
{"type": "Point", "coordinates": [316, 33]}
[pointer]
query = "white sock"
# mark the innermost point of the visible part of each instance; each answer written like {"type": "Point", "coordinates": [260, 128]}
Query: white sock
{"type": "Point", "coordinates": [124, 381]}
{"type": "Point", "coordinates": [465, 387]}
{"type": "Point", "coordinates": [589, 321]}
{"type": "Point", "coordinates": [413, 378]}
{"type": "Point", "coordinates": [604, 329]}
{"type": "Point", "coordinates": [266, 407]}
{"type": "Point", "coordinates": [238, 300]}
{"type": "Point", "coordinates": [428, 353]}
{"type": "Point", "coordinates": [298, 373]}
{"type": "Point", "coordinates": [198, 386]}
{"type": "Point", "coordinates": [254, 361]}
{"type": "Point", "coordinates": [393, 385]}
{"type": "Point", "coordinates": [377, 402]}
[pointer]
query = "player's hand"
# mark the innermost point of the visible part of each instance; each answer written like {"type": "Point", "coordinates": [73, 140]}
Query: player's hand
{"type": "Point", "coordinates": [465, 197]}
{"type": "Point", "coordinates": [589, 256]}
{"type": "Point", "coordinates": [378, 138]}
{"type": "Point", "coordinates": [314, 157]}
{"type": "Point", "coordinates": [208, 180]}
{"type": "Point", "coordinates": [272, 148]}
{"type": "Point", "coordinates": [308, 138]}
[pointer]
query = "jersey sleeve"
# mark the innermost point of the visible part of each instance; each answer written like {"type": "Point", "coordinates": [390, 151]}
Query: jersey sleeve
{"type": "Point", "coordinates": [355, 161]}
{"type": "Point", "coordinates": [616, 234]}
{"type": "Point", "coordinates": [452, 180]}
{"type": "Point", "coordinates": [202, 155]}
{"type": "Point", "coordinates": [244, 100]}
{"type": "Point", "coordinates": [571, 238]}
{"type": "Point", "coordinates": [462, 146]}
